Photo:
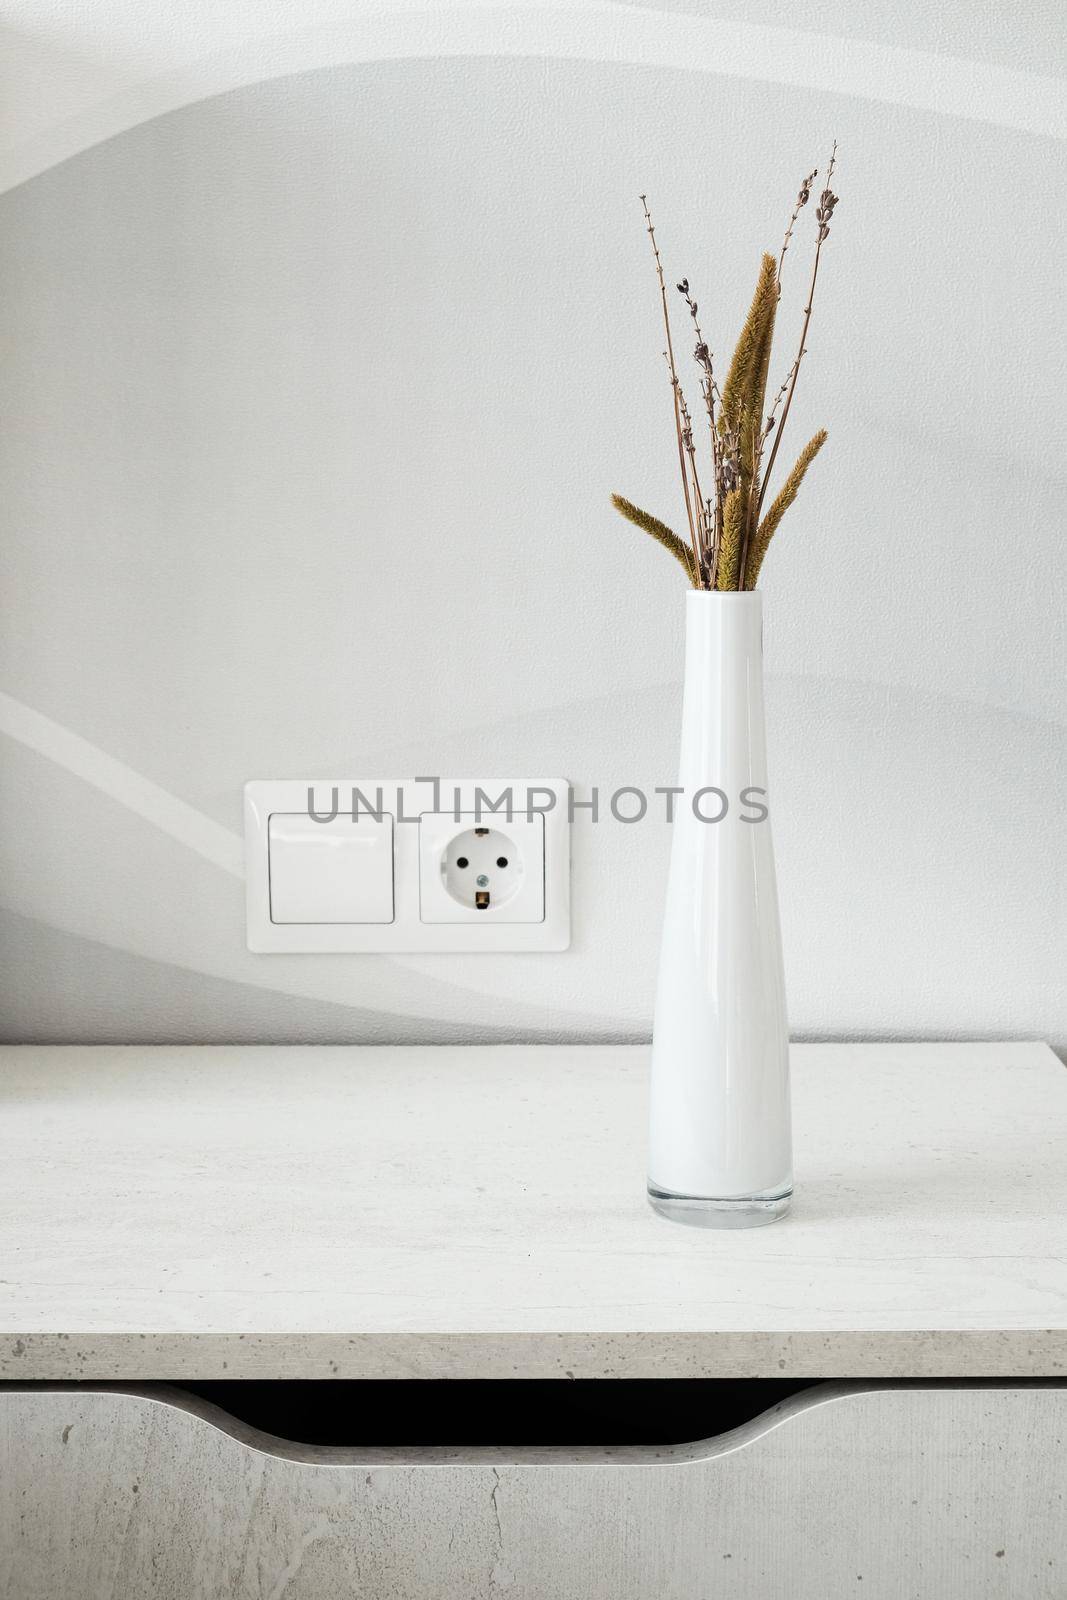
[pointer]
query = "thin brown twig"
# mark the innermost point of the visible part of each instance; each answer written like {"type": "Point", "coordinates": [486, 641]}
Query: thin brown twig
{"type": "Point", "coordinates": [751, 512]}
{"type": "Point", "coordinates": [676, 386]}
{"type": "Point", "coordinates": [698, 493]}
{"type": "Point", "coordinates": [707, 389]}
{"type": "Point", "coordinates": [690, 451]}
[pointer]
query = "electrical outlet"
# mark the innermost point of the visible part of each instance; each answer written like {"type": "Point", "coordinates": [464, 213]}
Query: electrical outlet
{"type": "Point", "coordinates": [377, 865]}
{"type": "Point", "coordinates": [472, 870]}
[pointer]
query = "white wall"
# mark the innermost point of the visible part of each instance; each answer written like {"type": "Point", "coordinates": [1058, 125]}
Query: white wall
{"type": "Point", "coordinates": [314, 393]}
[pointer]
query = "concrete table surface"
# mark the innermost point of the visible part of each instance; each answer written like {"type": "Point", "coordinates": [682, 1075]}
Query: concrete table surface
{"type": "Point", "coordinates": [313, 1212]}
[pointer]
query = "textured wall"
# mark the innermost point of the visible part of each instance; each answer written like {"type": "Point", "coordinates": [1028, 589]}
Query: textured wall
{"type": "Point", "coordinates": [314, 391]}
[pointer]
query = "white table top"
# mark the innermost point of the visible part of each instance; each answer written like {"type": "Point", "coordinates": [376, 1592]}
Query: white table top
{"type": "Point", "coordinates": [317, 1212]}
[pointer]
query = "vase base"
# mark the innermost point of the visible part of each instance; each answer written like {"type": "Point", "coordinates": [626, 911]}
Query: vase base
{"type": "Point", "coordinates": [754, 1211]}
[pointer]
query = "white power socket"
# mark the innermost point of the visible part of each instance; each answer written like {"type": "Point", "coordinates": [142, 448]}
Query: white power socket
{"type": "Point", "coordinates": [335, 865]}
{"type": "Point", "coordinates": [473, 870]}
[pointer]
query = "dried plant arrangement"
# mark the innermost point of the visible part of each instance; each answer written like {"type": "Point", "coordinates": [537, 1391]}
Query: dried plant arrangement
{"type": "Point", "coordinates": [728, 528]}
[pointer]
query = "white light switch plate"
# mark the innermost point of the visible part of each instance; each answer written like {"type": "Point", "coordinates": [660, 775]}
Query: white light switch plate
{"type": "Point", "coordinates": [407, 877]}
{"type": "Point", "coordinates": [330, 871]}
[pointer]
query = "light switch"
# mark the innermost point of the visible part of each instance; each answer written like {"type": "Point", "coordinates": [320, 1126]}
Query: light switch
{"type": "Point", "coordinates": [338, 871]}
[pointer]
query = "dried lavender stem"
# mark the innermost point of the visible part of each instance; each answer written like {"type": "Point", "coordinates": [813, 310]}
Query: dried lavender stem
{"type": "Point", "coordinates": [698, 493]}
{"type": "Point", "coordinates": [676, 387]}
{"type": "Point", "coordinates": [803, 196]}
{"type": "Point", "coordinates": [793, 380]}
{"type": "Point", "coordinates": [716, 459]}
{"type": "Point", "coordinates": [801, 351]}
{"type": "Point", "coordinates": [769, 424]}
{"type": "Point", "coordinates": [708, 391]}
{"type": "Point", "coordinates": [712, 510]}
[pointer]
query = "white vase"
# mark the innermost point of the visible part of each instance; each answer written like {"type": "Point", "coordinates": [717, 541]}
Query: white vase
{"type": "Point", "coordinates": [720, 1145]}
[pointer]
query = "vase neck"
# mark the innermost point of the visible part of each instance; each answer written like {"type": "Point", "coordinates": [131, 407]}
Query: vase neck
{"type": "Point", "coordinates": [722, 706]}
{"type": "Point", "coordinates": [722, 631]}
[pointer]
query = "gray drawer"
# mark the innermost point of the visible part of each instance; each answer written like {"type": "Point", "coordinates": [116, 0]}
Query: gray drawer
{"type": "Point", "coordinates": [885, 1492]}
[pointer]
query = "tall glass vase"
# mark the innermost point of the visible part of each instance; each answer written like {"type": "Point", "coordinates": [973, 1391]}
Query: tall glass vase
{"type": "Point", "coordinates": [720, 1146]}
